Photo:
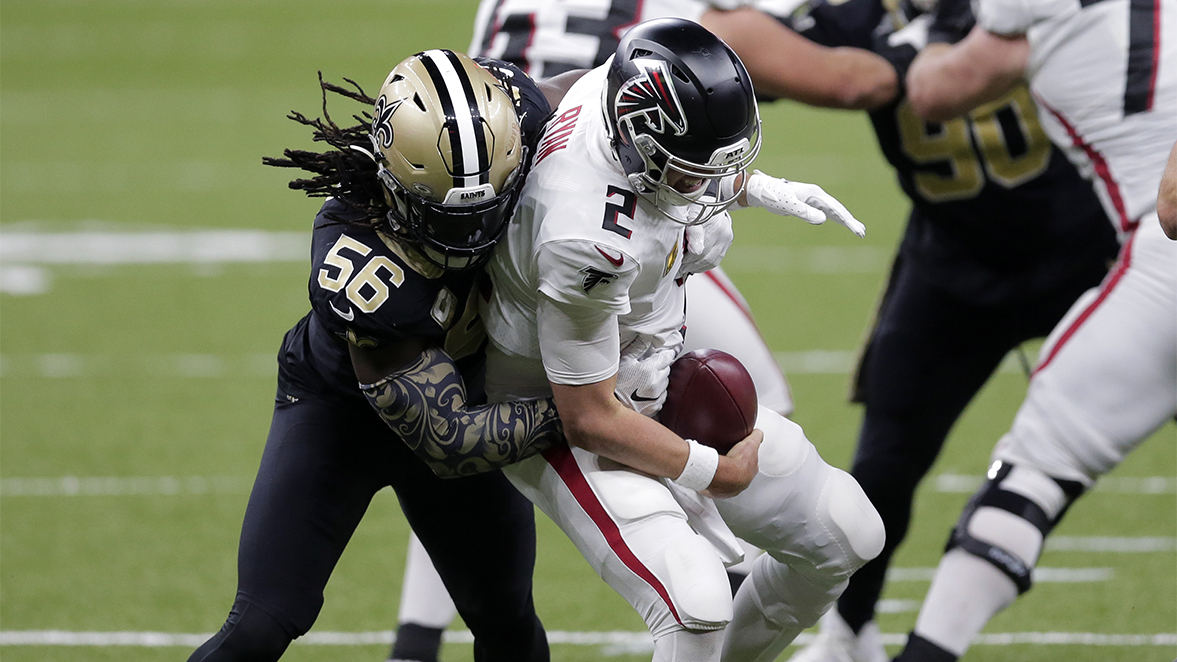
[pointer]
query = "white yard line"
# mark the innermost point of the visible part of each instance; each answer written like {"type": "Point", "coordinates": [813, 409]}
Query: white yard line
{"type": "Point", "coordinates": [630, 641]}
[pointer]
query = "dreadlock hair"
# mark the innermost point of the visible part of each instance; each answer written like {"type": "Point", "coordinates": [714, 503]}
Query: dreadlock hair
{"type": "Point", "coordinates": [346, 172]}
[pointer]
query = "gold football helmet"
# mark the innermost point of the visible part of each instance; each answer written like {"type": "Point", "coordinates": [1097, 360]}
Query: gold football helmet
{"type": "Point", "coordinates": [447, 140]}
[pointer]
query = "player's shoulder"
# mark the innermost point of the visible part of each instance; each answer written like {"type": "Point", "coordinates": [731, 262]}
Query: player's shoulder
{"type": "Point", "coordinates": [367, 286]}
{"type": "Point", "coordinates": [530, 102]}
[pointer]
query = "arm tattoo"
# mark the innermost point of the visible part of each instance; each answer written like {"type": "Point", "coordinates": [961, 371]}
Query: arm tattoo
{"type": "Point", "coordinates": [425, 404]}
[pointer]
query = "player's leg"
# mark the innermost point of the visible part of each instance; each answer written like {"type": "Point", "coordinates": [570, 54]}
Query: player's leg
{"type": "Point", "coordinates": [928, 356]}
{"type": "Point", "coordinates": [1106, 380]}
{"type": "Point", "coordinates": [480, 534]}
{"type": "Point", "coordinates": [817, 528]}
{"type": "Point", "coordinates": [312, 489]}
{"type": "Point", "coordinates": [634, 534]}
{"type": "Point", "coordinates": [719, 318]}
{"type": "Point", "coordinates": [426, 609]}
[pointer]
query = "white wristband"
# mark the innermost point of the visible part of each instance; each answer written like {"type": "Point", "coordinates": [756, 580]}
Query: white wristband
{"type": "Point", "coordinates": [701, 466]}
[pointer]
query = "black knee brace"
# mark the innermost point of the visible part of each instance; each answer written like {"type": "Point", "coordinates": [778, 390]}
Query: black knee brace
{"type": "Point", "coordinates": [991, 495]}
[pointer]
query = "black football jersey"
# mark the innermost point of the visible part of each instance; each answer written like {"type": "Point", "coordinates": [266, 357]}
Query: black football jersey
{"type": "Point", "coordinates": [368, 289]}
{"type": "Point", "coordinates": [998, 212]}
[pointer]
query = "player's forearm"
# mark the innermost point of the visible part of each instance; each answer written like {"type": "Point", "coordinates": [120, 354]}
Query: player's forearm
{"type": "Point", "coordinates": [627, 437]}
{"type": "Point", "coordinates": [425, 405]}
{"type": "Point", "coordinates": [947, 81]}
{"type": "Point", "coordinates": [1167, 196]}
{"type": "Point", "coordinates": [784, 64]}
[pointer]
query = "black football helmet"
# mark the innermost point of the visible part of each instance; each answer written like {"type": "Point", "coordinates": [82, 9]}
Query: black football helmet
{"type": "Point", "coordinates": [682, 117]}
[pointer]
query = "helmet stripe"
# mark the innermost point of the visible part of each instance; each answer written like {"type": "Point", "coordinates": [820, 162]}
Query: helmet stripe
{"type": "Point", "coordinates": [467, 139]}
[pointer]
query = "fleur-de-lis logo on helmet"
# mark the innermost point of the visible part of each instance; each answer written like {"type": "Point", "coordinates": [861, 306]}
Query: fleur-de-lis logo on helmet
{"type": "Point", "coordinates": [381, 131]}
{"type": "Point", "coordinates": [651, 93]}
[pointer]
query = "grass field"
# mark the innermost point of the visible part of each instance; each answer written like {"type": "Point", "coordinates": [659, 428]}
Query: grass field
{"type": "Point", "coordinates": [136, 373]}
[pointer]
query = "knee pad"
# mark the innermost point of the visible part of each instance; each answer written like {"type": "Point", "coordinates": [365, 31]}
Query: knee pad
{"type": "Point", "coordinates": [1007, 519]}
{"type": "Point", "coordinates": [855, 519]}
{"type": "Point", "coordinates": [698, 583]}
{"type": "Point", "coordinates": [248, 635]}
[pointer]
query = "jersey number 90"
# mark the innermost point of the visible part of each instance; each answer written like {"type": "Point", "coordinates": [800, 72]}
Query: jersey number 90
{"type": "Point", "coordinates": [1001, 142]}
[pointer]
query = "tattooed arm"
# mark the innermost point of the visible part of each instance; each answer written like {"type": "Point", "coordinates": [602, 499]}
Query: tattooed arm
{"type": "Point", "coordinates": [424, 403]}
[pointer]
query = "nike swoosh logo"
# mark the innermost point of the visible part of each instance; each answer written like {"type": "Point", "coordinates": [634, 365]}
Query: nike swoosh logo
{"type": "Point", "coordinates": [615, 261]}
{"type": "Point", "coordinates": [637, 398]}
{"type": "Point", "coordinates": [348, 316]}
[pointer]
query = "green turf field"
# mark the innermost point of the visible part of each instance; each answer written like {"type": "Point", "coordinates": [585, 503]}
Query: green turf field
{"type": "Point", "coordinates": [135, 390]}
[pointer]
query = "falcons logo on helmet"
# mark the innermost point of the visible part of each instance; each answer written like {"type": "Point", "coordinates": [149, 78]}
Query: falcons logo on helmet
{"type": "Point", "coordinates": [651, 93]}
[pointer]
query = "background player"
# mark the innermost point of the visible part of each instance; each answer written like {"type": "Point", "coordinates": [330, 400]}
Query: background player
{"type": "Point", "coordinates": [589, 271]}
{"type": "Point", "coordinates": [417, 200]}
{"type": "Point", "coordinates": [1107, 376]}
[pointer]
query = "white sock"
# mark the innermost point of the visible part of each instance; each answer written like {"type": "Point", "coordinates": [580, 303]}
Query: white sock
{"type": "Point", "coordinates": [965, 593]}
{"type": "Point", "coordinates": [424, 599]}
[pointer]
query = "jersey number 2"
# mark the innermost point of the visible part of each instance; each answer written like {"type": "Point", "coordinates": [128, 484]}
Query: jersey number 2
{"type": "Point", "coordinates": [366, 290]}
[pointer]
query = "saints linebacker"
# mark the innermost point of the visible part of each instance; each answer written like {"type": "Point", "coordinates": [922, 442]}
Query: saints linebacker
{"type": "Point", "coordinates": [379, 383]}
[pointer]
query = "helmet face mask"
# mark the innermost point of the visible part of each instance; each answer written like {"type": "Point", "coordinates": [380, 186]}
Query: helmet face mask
{"type": "Point", "coordinates": [447, 142]}
{"type": "Point", "coordinates": [683, 118]}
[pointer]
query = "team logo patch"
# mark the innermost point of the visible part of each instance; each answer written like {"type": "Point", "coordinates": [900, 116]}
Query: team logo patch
{"type": "Point", "coordinates": [651, 95]}
{"type": "Point", "coordinates": [594, 277]}
{"type": "Point", "coordinates": [381, 130]}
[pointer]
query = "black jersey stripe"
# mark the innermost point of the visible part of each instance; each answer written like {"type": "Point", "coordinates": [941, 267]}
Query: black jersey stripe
{"type": "Point", "coordinates": [481, 144]}
{"type": "Point", "coordinates": [1143, 49]}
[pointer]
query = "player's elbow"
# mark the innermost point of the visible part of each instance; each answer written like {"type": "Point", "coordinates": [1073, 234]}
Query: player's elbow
{"type": "Point", "coordinates": [1167, 212]}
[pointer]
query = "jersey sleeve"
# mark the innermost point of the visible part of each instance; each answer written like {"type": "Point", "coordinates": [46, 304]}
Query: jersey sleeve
{"type": "Point", "coordinates": [834, 24]}
{"type": "Point", "coordinates": [1014, 17]}
{"type": "Point", "coordinates": [585, 273]}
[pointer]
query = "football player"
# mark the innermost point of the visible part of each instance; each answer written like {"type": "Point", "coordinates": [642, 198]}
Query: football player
{"type": "Point", "coordinates": [587, 306]}
{"type": "Point", "coordinates": [1003, 236]}
{"type": "Point", "coordinates": [417, 198]}
{"type": "Point", "coordinates": [1105, 75]}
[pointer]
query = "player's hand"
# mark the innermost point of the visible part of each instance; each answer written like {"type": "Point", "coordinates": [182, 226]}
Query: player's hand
{"type": "Point", "coordinates": [737, 468]}
{"type": "Point", "coordinates": [642, 376]}
{"type": "Point", "coordinates": [706, 244]}
{"type": "Point", "coordinates": [805, 201]}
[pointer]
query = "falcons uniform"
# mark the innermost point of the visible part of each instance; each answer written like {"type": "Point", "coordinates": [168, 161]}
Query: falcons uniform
{"type": "Point", "coordinates": [581, 237]}
{"type": "Point", "coordinates": [549, 37]}
{"type": "Point", "coordinates": [1105, 76]}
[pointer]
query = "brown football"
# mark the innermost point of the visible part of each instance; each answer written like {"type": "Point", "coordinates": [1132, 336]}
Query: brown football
{"type": "Point", "coordinates": [710, 398]}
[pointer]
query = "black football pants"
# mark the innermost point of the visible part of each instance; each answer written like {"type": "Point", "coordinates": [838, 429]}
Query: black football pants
{"type": "Point", "coordinates": [929, 354]}
{"type": "Point", "coordinates": [323, 462]}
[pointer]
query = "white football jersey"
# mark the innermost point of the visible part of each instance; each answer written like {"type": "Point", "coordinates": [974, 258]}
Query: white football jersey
{"type": "Point", "coordinates": [550, 37]}
{"type": "Point", "coordinates": [1105, 75]}
{"type": "Point", "coordinates": [581, 236]}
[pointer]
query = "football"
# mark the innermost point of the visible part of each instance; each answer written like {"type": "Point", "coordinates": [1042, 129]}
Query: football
{"type": "Point", "coordinates": [710, 398]}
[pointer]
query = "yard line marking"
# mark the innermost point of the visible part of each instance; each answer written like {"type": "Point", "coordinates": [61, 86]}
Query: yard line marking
{"type": "Point", "coordinates": [629, 641]}
{"type": "Point", "coordinates": [153, 247]}
{"type": "Point", "coordinates": [1041, 575]}
{"type": "Point", "coordinates": [188, 366]}
{"type": "Point", "coordinates": [959, 483]}
{"type": "Point", "coordinates": [1119, 545]}
{"type": "Point", "coordinates": [120, 486]}
{"type": "Point", "coordinates": [843, 361]}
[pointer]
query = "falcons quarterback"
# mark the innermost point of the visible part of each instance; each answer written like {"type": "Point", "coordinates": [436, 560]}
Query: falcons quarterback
{"type": "Point", "coordinates": [623, 202]}
{"type": "Point", "coordinates": [1105, 76]}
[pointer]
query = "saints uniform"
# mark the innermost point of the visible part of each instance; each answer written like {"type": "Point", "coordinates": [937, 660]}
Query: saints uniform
{"type": "Point", "coordinates": [583, 239]}
{"type": "Point", "coordinates": [1003, 236]}
{"type": "Point", "coordinates": [328, 452]}
{"type": "Point", "coordinates": [549, 37]}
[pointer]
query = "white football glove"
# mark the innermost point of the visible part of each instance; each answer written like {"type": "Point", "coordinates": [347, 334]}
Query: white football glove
{"type": "Point", "coordinates": [805, 201]}
{"type": "Point", "coordinates": [643, 375]}
{"type": "Point", "coordinates": [706, 244]}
